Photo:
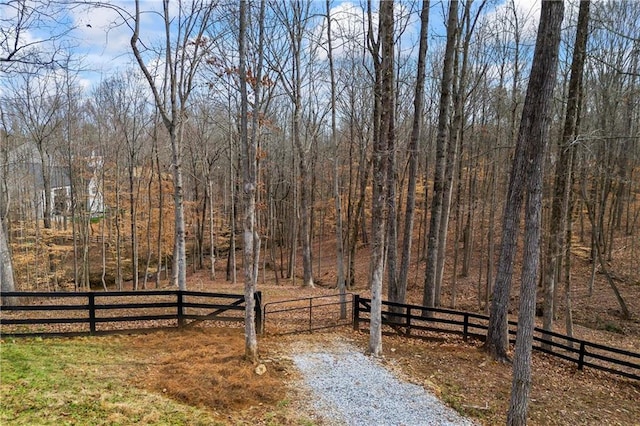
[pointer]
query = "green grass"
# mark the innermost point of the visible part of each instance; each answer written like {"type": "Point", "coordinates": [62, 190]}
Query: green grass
{"type": "Point", "coordinates": [81, 381]}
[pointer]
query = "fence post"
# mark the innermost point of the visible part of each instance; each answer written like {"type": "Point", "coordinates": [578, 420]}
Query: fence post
{"type": "Point", "coordinates": [356, 312]}
{"type": "Point", "coordinates": [581, 356]}
{"type": "Point", "coordinates": [408, 323]}
{"type": "Point", "coordinates": [180, 305]}
{"type": "Point", "coordinates": [92, 313]}
{"type": "Point", "coordinates": [465, 327]}
{"type": "Point", "coordinates": [257, 296]}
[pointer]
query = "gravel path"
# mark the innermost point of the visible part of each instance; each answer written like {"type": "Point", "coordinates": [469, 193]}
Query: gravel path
{"type": "Point", "coordinates": [350, 388]}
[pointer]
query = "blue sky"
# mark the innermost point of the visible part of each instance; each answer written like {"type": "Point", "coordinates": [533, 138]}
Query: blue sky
{"type": "Point", "coordinates": [100, 37]}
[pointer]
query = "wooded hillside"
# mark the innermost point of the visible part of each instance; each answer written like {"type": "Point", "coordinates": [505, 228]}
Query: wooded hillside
{"type": "Point", "coordinates": [89, 177]}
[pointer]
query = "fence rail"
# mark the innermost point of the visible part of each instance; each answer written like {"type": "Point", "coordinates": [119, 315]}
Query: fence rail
{"type": "Point", "coordinates": [82, 313]}
{"type": "Point", "coordinates": [88, 313]}
{"type": "Point", "coordinates": [418, 321]}
{"type": "Point", "coordinates": [308, 313]}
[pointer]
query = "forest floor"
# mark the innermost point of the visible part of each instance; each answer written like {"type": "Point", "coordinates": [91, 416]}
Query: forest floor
{"type": "Point", "coordinates": [203, 367]}
{"type": "Point", "coordinates": [459, 373]}
{"type": "Point", "coordinates": [198, 376]}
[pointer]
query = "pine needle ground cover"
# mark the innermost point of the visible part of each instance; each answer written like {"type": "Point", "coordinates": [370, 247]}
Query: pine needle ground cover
{"type": "Point", "coordinates": [197, 377]}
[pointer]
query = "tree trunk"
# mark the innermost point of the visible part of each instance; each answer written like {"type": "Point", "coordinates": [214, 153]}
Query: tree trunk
{"type": "Point", "coordinates": [533, 137]}
{"type": "Point", "coordinates": [179, 250]}
{"type": "Point", "coordinates": [231, 257]}
{"type": "Point", "coordinates": [467, 231]}
{"type": "Point", "coordinates": [385, 98]}
{"type": "Point", "coordinates": [563, 172]}
{"type": "Point", "coordinates": [118, 232]}
{"type": "Point", "coordinates": [251, 251]}
{"type": "Point", "coordinates": [212, 234]}
{"type": "Point", "coordinates": [248, 197]}
{"type": "Point", "coordinates": [418, 107]}
{"type": "Point", "coordinates": [359, 217]}
{"type": "Point", "coordinates": [294, 224]}
{"type": "Point", "coordinates": [568, 308]}
{"type": "Point", "coordinates": [429, 295]}
{"type": "Point", "coordinates": [341, 284]}
{"type": "Point", "coordinates": [147, 263]}
{"type": "Point", "coordinates": [46, 182]}
{"type": "Point", "coordinates": [6, 267]}
{"type": "Point", "coordinates": [388, 126]}
{"type": "Point", "coordinates": [305, 220]}
{"type": "Point", "coordinates": [533, 127]}
{"type": "Point", "coordinates": [160, 212]}
{"type": "Point", "coordinates": [134, 227]}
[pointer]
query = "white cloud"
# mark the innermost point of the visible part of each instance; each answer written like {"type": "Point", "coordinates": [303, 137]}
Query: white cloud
{"type": "Point", "coordinates": [520, 15]}
{"type": "Point", "coordinates": [348, 29]}
{"type": "Point", "coordinates": [103, 34]}
{"type": "Point", "coordinates": [29, 34]}
{"type": "Point", "coordinates": [350, 25]}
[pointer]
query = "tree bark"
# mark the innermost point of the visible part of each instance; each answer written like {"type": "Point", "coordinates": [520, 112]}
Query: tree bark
{"type": "Point", "coordinates": [429, 296]}
{"type": "Point", "coordinates": [533, 136]}
{"type": "Point", "coordinates": [564, 171]}
{"type": "Point", "coordinates": [248, 196]}
{"type": "Point", "coordinates": [341, 283]}
{"type": "Point", "coordinates": [249, 142]}
{"type": "Point", "coordinates": [399, 294]}
{"type": "Point", "coordinates": [6, 267]}
{"type": "Point", "coordinates": [388, 133]}
{"type": "Point", "coordinates": [386, 100]}
{"type": "Point", "coordinates": [534, 127]}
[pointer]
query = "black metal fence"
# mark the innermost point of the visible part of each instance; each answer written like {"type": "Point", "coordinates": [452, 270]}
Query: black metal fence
{"type": "Point", "coordinates": [419, 321]}
{"type": "Point", "coordinates": [82, 313]}
{"type": "Point", "coordinates": [89, 313]}
{"type": "Point", "coordinates": [308, 313]}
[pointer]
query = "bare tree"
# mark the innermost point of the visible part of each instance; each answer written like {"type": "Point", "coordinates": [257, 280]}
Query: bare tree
{"type": "Point", "coordinates": [124, 100]}
{"type": "Point", "coordinates": [294, 69]}
{"type": "Point", "coordinates": [249, 143]}
{"type": "Point", "coordinates": [608, 155]}
{"type": "Point", "coordinates": [525, 174]}
{"type": "Point", "coordinates": [340, 277]}
{"type": "Point", "coordinates": [7, 282]}
{"type": "Point", "coordinates": [382, 52]}
{"type": "Point", "coordinates": [430, 285]}
{"type": "Point", "coordinates": [19, 20]}
{"type": "Point", "coordinates": [184, 52]}
{"type": "Point", "coordinates": [564, 172]}
{"type": "Point", "coordinates": [37, 103]}
{"type": "Point", "coordinates": [533, 137]}
{"type": "Point", "coordinates": [399, 293]}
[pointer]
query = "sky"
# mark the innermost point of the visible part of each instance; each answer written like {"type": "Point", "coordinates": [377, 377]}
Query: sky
{"type": "Point", "coordinates": [101, 37]}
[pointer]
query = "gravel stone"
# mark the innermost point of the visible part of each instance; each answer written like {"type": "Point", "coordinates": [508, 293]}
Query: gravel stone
{"type": "Point", "coordinates": [353, 389]}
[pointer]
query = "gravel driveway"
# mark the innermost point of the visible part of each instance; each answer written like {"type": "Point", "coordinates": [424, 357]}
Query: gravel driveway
{"type": "Point", "coordinates": [349, 388]}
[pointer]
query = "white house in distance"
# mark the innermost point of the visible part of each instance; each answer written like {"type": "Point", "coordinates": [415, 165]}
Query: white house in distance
{"type": "Point", "coordinates": [26, 185]}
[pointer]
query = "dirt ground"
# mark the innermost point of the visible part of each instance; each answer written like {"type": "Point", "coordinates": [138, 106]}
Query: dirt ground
{"type": "Point", "coordinates": [459, 373]}
{"type": "Point", "coordinates": [204, 367]}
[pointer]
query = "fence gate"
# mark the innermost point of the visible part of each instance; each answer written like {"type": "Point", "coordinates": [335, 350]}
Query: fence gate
{"type": "Point", "coordinates": [308, 314]}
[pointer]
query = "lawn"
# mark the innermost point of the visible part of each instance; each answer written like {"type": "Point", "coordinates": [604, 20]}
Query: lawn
{"type": "Point", "coordinates": [196, 377]}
